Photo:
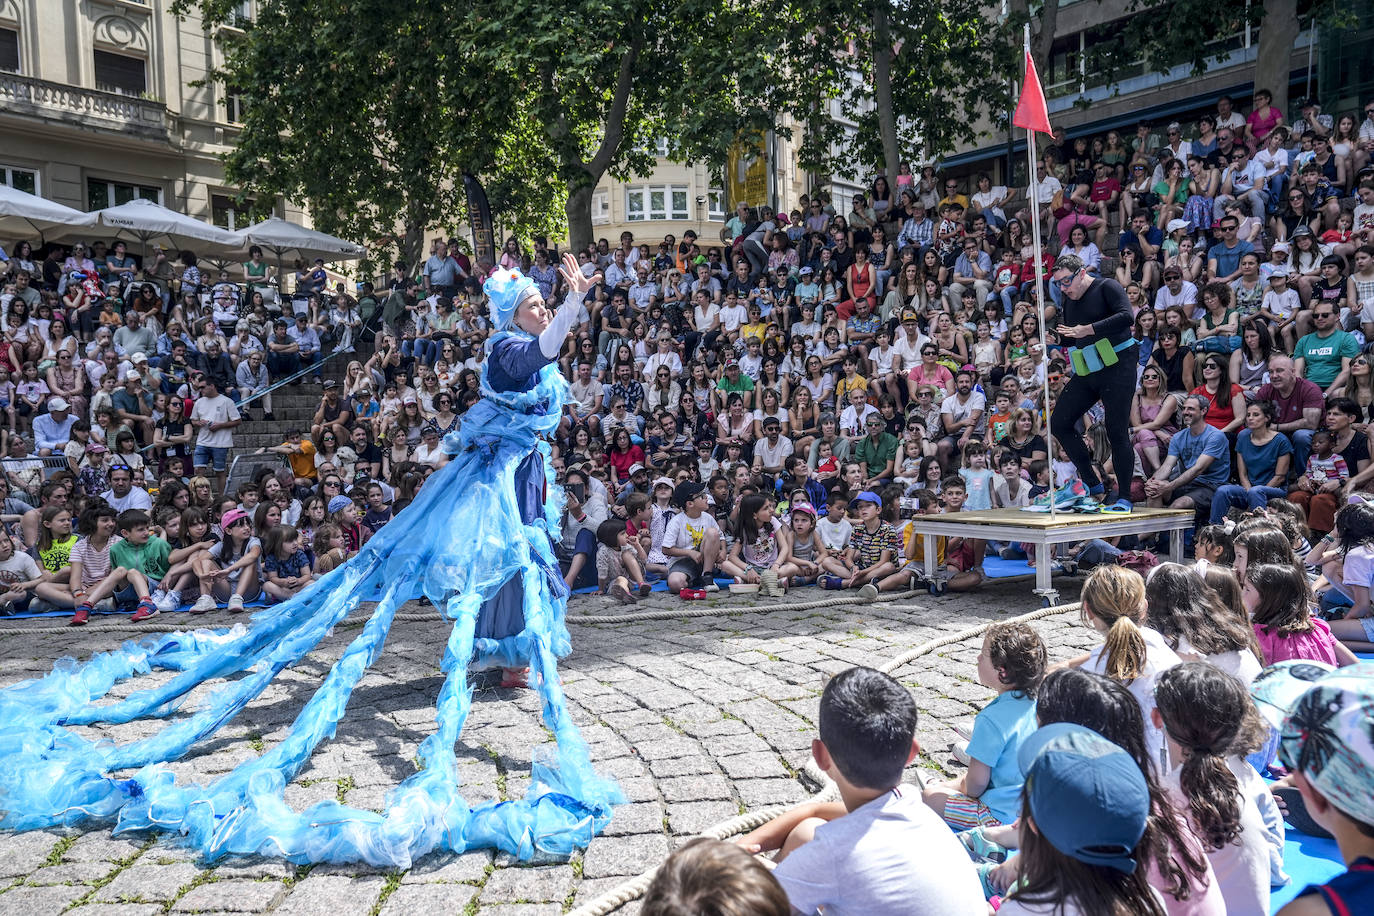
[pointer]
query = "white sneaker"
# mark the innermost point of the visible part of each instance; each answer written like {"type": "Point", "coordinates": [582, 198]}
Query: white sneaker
{"type": "Point", "coordinates": [960, 751]}
{"type": "Point", "coordinates": [204, 605]}
{"type": "Point", "coordinates": [167, 601]}
{"type": "Point", "coordinates": [236, 604]}
{"type": "Point", "coordinates": [711, 586]}
{"type": "Point", "coordinates": [869, 592]}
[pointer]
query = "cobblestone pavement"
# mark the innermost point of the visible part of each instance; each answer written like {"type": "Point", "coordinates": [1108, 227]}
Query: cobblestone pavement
{"type": "Point", "coordinates": [699, 719]}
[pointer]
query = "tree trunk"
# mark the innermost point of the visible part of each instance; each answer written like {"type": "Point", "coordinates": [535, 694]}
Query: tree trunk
{"type": "Point", "coordinates": [579, 211]}
{"type": "Point", "coordinates": [882, 91]}
{"type": "Point", "coordinates": [1278, 31]}
{"type": "Point", "coordinates": [412, 247]}
{"type": "Point", "coordinates": [1042, 41]}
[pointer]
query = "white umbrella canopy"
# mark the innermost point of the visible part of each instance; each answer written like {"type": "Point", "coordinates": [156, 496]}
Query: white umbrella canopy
{"type": "Point", "coordinates": [281, 237]}
{"type": "Point", "coordinates": [22, 214]}
{"type": "Point", "coordinates": [147, 221]}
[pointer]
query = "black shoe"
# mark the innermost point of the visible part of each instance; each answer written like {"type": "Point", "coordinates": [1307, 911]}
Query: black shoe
{"type": "Point", "coordinates": [268, 416]}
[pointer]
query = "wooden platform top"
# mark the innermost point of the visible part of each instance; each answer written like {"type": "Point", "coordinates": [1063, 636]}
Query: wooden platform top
{"type": "Point", "coordinates": [1026, 519]}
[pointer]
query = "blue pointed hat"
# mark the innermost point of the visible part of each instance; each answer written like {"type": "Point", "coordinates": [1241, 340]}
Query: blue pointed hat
{"type": "Point", "coordinates": [505, 289]}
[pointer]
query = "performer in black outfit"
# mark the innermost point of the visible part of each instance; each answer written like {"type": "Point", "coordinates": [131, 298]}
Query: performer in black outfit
{"type": "Point", "coordinates": [1094, 309]}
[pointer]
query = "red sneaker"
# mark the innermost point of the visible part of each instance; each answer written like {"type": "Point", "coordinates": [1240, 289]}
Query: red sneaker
{"type": "Point", "coordinates": [692, 594]}
{"type": "Point", "coordinates": [82, 614]}
{"type": "Point", "coordinates": [146, 610]}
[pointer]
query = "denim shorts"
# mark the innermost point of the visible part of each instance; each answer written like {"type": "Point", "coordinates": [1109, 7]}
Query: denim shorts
{"type": "Point", "coordinates": [204, 454]}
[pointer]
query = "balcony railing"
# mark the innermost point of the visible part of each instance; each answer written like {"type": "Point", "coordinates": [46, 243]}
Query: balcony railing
{"type": "Point", "coordinates": [90, 108]}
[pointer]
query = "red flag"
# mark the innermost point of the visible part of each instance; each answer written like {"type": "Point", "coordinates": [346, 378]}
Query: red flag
{"type": "Point", "coordinates": [1031, 111]}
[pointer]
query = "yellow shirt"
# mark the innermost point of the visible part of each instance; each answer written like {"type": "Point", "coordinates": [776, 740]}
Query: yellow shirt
{"type": "Point", "coordinates": [845, 385]}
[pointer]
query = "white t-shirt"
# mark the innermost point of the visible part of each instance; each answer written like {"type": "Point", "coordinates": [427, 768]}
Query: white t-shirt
{"type": "Point", "coordinates": [1241, 866]}
{"type": "Point", "coordinates": [962, 410]}
{"type": "Point", "coordinates": [1158, 658]}
{"type": "Point", "coordinates": [834, 535]}
{"type": "Point", "coordinates": [1014, 907]}
{"type": "Point", "coordinates": [893, 855]}
{"type": "Point", "coordinates": [1241, 664]}
{"type": "Point", "coordinates": [1186, 295]}
{"type": "Point", "coordinates": [732, 318]}
{"type": "Point", "coordinates": [219, 409]}
{"type": "Point", "coordinates": [136, 498]}
{"type": "Point", "coordinates": [18, 568]}
{"type": "Point", "coordinates": [686, 533]}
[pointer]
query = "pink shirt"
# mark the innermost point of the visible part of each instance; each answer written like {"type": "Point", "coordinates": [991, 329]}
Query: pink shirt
{"type": "Point", "coordinates": [1316, 645]}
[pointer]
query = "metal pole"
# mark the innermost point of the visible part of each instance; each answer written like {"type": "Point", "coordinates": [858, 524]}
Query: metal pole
{"type": "Point", "coordinates": [1040, 290]}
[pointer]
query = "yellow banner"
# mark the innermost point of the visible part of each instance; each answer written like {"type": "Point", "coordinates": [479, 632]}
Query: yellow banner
{"type": "Point", "coordinates": [746, 176]}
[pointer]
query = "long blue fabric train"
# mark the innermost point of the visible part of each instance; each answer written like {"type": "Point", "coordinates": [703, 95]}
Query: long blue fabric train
{"type": "Point", "coordinates": [457, 544]}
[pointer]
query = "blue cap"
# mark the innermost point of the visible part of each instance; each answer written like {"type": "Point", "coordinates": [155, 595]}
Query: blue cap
{"type": "Point", "coordinates": [505, 289]}
{"type": "Point", "coordinates": [1087, 795]}
{"type": "Point", "coordinates": [867, 496]}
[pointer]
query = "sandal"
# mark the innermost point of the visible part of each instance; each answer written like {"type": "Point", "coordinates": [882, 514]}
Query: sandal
{"type": "Point", "coordinates": [1297, 815]}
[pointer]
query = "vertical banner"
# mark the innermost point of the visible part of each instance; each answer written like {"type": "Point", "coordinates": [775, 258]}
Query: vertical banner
{"type": "Point", "coordinates": [746, 170]}
{"type": "Point", "coordinates": [479, 218]}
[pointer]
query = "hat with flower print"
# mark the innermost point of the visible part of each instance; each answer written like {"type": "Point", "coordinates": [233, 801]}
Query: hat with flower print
{"type": "Point", "coordinates": [1325, 718]}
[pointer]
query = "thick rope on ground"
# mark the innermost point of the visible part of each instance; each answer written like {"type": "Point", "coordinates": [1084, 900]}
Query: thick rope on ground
{"type": "Point", "coordinates": [690, 611]}
{"type": "Point", "coordinates": [634, 888]}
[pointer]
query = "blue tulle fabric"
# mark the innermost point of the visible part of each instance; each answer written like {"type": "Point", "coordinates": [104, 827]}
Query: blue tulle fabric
{"type": "Point", "coordinates": [457, 543]}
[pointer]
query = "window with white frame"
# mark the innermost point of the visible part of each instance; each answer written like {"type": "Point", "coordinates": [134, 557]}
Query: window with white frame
{"type": "Point", "coordinates": [233, 105]}
{"type": "Point", "coordinates": [19, 178]}
{"type": "Point", "coordinates": [229, 212]}
{"type": "Point", "coordinates": [9, 50]}
{"type": "Point", "coordinates": [656, 202]}
{"type": "Point", "coordinates": [601, 207]}
{"type": "Point", "coordinates": [101, 193]}
{"type": "Point", "coordinates": [243, 12]}
{"type": "Point", "coordinates": [715, 205]}
{"type": "Point", "coordinates": [120, 73]}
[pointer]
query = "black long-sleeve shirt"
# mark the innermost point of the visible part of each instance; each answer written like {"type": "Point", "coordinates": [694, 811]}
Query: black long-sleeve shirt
{"type": "Point", "coordinates": [1104, 306]}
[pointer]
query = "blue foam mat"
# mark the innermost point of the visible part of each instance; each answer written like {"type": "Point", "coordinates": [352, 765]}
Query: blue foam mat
{"type": "Point", "coordinates": [1307, 860]}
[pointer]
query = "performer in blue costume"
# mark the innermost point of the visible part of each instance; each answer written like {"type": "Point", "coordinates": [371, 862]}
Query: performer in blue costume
{"type": "Point", "coordinates": [477, 541]}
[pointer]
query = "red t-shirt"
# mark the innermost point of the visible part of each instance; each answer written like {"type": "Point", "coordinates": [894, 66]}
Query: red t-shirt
{"type": "Point", "coordinates": [1220, 414]}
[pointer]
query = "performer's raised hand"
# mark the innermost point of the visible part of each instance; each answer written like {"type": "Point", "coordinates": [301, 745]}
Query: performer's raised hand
{"type": "Point", "coordinates": [572, 274]}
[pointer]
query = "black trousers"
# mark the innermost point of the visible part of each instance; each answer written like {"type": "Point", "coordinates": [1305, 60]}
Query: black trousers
{"type": "Point", "coordinates": [1114, 386]}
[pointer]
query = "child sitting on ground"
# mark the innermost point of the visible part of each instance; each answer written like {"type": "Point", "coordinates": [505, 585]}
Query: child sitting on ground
{"type": "Point", "coordinates": [873, 549]}
{"type": "Point", "coordinates": [705, 875]}
{"type": "Point", "coordinates": [1326, 745]}
{"type": "Point", "coordinates": [879, 849]}
{"type": "Point", "coordinates": [93, 575]}
{"type": "Point", "coordinates": [139, 549]}
{"type": "Point", "coordinates": [1279, 601]}
{"type": "Point", "coordinates": [1012, 662]}
{"type": "Point", "coordinates": [759, 546]}
{"type": "Point", "coordinates": [230, 567]}
{"type": "Point", "coordinates": [806, 552]}
{"type": "Point", "coordinates": [1210, 724]}
{"type": "Point", "coordinates": [1085, 816]}
{"type": "Point", "coordinates": [692, 542]}
{"type": "Point", "coordinates": [618, 573]}
{"type": "Point", "coordinates": [836, 529]}
{"type": "Point", "coordinates": [331, 551]}
{"type": "Point", "coordinates": [1113, 604]}
{"type": "Point", "coordinates": [285, 564]}
{"type": "Point", "coordinates": [193, 537]}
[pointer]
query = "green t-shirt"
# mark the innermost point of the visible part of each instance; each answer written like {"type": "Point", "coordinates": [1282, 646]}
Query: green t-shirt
{"type": "Point", "coordinates": [1322, 356]}
{"type": "Point", "coordinates": [875, 457]}
{"type": "Point", "coordinates": [745, 383]}
{"type": "Point", "coordinates": [150, 558]}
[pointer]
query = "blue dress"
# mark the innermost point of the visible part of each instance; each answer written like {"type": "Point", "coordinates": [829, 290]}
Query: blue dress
{"type": "Point", "coordinates": [477, 541]}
